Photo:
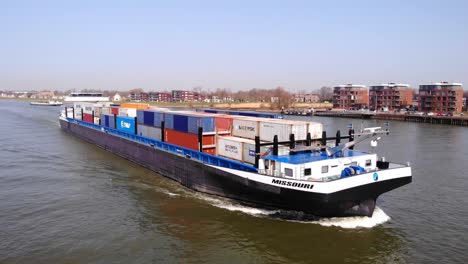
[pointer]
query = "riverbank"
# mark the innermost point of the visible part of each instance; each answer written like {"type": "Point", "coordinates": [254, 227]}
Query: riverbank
{"type": "Point", "coordinates": [444, 120]}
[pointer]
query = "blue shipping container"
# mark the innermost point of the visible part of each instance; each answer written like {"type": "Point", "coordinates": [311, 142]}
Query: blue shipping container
{"type": "Point", "coordinates": [169, 121]}
{"type": "Point", "coordinates": [180, 123]}
{"type": "Point", "coordinates": [106, 121]}
{"type": "Point", "coordinates": [148, 118]}
{"type": "Point", "coordinates": [158, 118]}
{"type": "Point", "coordinates": [140, 116]}
{"type": "Point", "coordinates": [206, 122]}
{"type": "Point", "coordinates": [111, 121]}
{"type": "Point", "coordinates": [193, 124]}
{"type": "Point", "coordinates": [126, 124]}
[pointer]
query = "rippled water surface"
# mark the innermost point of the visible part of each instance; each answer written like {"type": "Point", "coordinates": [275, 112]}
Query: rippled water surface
{"type": "Point", "coordinates": [65, 201]}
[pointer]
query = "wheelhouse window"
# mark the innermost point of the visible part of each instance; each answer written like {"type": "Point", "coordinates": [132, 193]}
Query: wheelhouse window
{"type": "Point", "coordinates": [307, 172]}
{"type": "Point", "coordinates": [288, 172]}
{"type": "Point", "coordinates": [325, 169]}
{"type": "Point", "coordinates": [368, 163]}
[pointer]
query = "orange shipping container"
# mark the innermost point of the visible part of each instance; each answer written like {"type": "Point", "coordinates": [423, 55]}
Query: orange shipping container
{"type": "Point", "coordinates": [136, 106]}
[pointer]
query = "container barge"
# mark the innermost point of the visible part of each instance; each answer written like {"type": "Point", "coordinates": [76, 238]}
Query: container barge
{"type": "Point", "coordinates": [274, 163]}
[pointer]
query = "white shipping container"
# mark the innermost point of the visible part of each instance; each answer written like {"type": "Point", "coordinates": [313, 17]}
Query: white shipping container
{"type": "Point", "coordinates": [229, 147]}
{"type": "Point", "coordinates": [105, 111]}
{"type": "Point", "coordinates": [237, 148]}
{"type": "Point", "coordinates": [269, 129]}
{"type": "Point", "coordinates": [315, 129]}
{"type": "Point", "coordinates": [149, 131]}
{"type": "Point", "coordinates": [246, 128]}
{"type": "Point", "coordinates": [130, 112]}
{"type": "Point", "coordinates": [249, 151]}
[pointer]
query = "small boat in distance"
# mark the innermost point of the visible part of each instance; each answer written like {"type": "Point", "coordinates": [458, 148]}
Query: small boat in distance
{"type": "Point", "coordinates": [47, 103]}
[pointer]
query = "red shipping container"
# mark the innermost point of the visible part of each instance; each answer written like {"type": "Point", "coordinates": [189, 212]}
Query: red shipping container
{"type": "Point", "coordinates": [223, 123]}
{"type": "Point", "coordinates": [186, 140]}
{"type": "Point", "coordinates": [115, 110]}
{"type": "Point", "coordinates": [88, 118]}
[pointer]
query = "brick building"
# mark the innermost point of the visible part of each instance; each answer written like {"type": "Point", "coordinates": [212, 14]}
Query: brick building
{"type": "Point", "coordinates": [350, 96]}
{"type": "Point", "coordinates": [441, 97]}
{"type": "Point", "coordinates": [160, 97]}
{"type": "Point", "coordinates": [139, 97]}
{"type": "Point", "coordinates": [306, 98]}
{"type": "Point", "coordinates": [392, 96]}
{"type": "Point", "coordinates": [182, 96]}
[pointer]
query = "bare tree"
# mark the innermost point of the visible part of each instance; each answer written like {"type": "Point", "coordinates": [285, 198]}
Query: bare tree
{"type": "Point", "coordinates": [326, 93]}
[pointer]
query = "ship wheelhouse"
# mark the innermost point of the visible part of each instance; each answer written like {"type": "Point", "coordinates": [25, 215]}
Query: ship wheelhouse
{"type": "Point", "coordinates": [316, 166]}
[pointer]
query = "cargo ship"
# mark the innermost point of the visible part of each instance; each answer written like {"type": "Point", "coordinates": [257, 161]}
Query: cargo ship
{"type": "Point", "coordinates": [265, 162]}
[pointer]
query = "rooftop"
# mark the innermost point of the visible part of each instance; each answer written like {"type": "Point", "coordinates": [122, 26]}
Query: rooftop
{"type": "Point", "coordinates": [301, 158]}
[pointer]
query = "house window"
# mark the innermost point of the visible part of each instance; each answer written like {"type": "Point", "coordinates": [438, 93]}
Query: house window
{"type": "Point", "coordinates": [368, 163]}
{"type": "Point", "coordinates": [325, 169]}
{"type": "Point", "coordinates": [288, 172]}
{"type": "Point", "coordinates": [307, 172]}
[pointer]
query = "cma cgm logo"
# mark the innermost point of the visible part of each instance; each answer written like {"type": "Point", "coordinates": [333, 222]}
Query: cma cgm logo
{"type": "Point", "coordinates": [125, 124]}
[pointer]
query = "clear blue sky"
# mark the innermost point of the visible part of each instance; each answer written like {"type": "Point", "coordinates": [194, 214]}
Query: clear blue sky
{"type": "Point", "coordinates": [301, 45]}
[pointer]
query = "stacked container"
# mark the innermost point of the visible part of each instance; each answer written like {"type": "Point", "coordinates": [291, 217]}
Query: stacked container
{"type": "Point", "coordinates": [108, 121]}
{"type": "Point", "coordinates": [236, 148]}
{"type": "Point", "coordinates": [266, 129]}
{"type": "Point", "coordinates": [149, 123]}
{"type": "Point", "coordinates": [130, 112]}
{"type": "Point", "coordinates": [126, 124]}
{"type": "Point", "coordinates": [181, 128]}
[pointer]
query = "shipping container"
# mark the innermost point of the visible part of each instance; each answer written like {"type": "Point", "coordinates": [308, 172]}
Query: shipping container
{"type": "Point", "coordinates": [223, 123]}
{"type": "Point", "coordinates": [149, 131]}
{"type": "Point", "coordinates": [130, 112]}
{"type": "Point", "coordinates": [236, 148]}
{"type": "Point", "coordinates": [283, 130]}
{"type": "Point", "coordinates": [115, 110]}
{"type": "Point", "coordinates": [111, 119]}
{"type": "Point", "coordinates": [140, 116]}
{"type": "Point", "coordinates": [176, 122]}
{"type": "Point", "coordinates": [88, 118]}
{"type": "Point", "coordinates": [158, 119]}
{"type": "Point", "coordinates": [245, 127]}
{"type": "Point", "coordinates": [135, 106]}
{"type": "Point", "coordinates": [315, 129]}
{"type": "Point", "coordinates": [188, 140]}
{"type": "Point", "coordinates": [126, 124]}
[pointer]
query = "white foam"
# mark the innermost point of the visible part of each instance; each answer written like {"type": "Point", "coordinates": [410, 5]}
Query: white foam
{"type": "Point", "coordinates": [232, 206]}
{"type": "Point", "coordinates": [246, 209]}
{"type": "Point", "coordinates": [379, 217]}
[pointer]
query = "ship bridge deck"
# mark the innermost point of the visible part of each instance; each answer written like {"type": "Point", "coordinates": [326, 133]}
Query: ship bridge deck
{"type": "Point", "coordinates": [305, 157]}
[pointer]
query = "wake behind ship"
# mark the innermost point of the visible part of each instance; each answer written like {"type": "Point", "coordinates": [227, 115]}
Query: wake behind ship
{"type": "Point", "coordinates": [277, 163]}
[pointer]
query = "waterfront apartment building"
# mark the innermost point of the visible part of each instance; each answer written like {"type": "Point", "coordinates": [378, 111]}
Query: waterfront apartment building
{"type": "Point", "coordinates": [182, 96]}
{"type": "Point", "coordinates": [306, 98]}
{"type": "Point", "coordinates": [441, 97]}
{"type": "Point", "coordinates": [390, 96]}
{"type": "Point", "coordinates": [159, 97]}
{"type": "Point", "coordinates": [350, 96]}
{"type": "Point", "coordinates": [139, 97]}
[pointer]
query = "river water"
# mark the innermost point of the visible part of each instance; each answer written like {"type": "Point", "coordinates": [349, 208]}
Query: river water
{"type": "Point", "coordinates": [63, 200]}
